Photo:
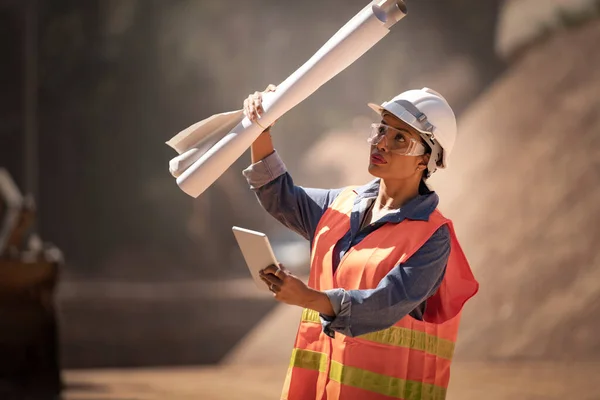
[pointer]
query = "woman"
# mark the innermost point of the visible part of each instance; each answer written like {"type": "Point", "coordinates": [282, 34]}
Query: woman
{"type": "Point", "coordinates": [388, 278]}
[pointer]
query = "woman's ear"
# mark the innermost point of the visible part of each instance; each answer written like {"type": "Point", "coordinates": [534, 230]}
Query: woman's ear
{"type": "Point", "coordinates": [424, 160]}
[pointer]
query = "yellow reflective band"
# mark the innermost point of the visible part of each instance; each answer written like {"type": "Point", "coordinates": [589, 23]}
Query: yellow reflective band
{"type": "Point", "coordinates": [401, 337]}
{"type": "Point", "coordinates": [308, 359]}
{"type": "Point", "coordinates": [310, 316]}
{"type": "Point", "coordinates": [385, 385]}
{"type": "Point", "coordinates": [416, 340]}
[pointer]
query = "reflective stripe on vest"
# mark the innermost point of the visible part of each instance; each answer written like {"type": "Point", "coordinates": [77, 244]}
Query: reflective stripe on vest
{"type": "Point", "coordinates": [366, 380]}
{"type": "Point", "coordinates": [410, 360]}
{"type": "Point", "coordinates": [401, 337]}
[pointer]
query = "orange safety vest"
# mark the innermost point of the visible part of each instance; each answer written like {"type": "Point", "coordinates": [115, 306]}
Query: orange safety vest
{"type": "Point", "coordinates": [411, 359]}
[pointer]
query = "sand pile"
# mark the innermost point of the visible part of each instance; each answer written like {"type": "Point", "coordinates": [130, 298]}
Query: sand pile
{"type": "Point", "coordinates": [523, 189]}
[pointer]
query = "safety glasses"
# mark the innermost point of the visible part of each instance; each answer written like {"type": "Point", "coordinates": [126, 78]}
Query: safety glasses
{"type": "Point", "coordinates": [396, 141]}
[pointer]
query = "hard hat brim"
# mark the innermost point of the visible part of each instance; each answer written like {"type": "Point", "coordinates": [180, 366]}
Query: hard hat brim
{"type": "Point", "coordinates": [380, 109]}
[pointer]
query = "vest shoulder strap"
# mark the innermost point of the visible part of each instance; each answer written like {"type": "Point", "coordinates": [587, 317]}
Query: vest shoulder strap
{"type": "Point", "coordinates": [345, 199]}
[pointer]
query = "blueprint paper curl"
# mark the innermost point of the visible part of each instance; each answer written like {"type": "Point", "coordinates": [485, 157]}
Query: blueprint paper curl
{"type": "Point", "coordinates": [199, 165]}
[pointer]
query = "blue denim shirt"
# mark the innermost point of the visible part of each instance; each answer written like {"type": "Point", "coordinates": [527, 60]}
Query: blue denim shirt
{"type": "Point", "coordinates": [404, 290]}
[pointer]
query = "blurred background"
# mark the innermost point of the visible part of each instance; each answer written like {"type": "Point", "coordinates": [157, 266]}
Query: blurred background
{"type": "Point", "coordinates": [117, 285]}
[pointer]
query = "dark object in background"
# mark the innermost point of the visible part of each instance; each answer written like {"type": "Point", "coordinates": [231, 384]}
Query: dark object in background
{"type": "Point", "coordinates": [29, 357]}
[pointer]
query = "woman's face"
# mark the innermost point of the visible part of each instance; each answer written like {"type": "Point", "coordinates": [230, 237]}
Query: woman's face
{"type": "Point", "coordinates": [387, 165]}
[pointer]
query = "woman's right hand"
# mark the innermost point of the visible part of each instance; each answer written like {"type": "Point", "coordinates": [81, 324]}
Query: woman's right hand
{"type": "Point", "coordinates": [253, 104]}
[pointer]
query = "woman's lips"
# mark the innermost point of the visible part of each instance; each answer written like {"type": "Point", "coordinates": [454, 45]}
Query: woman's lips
{"type": "Point", "coordinates": [377, 159]}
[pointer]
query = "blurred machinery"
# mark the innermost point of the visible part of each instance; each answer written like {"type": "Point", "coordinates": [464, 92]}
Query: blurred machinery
{"type": "Point", "coordinates": [29, 356]}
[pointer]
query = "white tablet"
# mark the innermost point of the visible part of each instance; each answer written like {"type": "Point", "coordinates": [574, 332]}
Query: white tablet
{"type": "Point", "coordinates": [257, 252]}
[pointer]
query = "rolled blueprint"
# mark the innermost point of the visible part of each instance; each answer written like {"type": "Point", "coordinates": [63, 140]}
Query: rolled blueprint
{"type": "Point", "coordinates": [197, 170]}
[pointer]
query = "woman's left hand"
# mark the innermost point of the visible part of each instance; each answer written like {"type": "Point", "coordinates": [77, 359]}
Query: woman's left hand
{"type": "Point", "coordinates": [285, 286]}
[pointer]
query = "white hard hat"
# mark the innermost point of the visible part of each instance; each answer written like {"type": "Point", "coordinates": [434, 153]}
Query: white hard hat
{"type": "Point", "coordinates": [429, 113]}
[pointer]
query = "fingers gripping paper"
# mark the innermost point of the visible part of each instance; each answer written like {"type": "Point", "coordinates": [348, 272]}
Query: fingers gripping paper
{"type": "Point", "coordinates": [199, 164]}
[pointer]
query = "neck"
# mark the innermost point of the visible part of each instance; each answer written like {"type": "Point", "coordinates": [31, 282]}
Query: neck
{"type": "Point", "coordinates": [394, 194]}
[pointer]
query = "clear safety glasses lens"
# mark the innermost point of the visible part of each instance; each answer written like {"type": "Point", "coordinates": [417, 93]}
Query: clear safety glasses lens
{"type": "Point", "coordinates": [396, 141]}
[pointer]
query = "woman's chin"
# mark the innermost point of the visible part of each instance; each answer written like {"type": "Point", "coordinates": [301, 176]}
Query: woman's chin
{"type": "Point", "coordinates": [375, 170]}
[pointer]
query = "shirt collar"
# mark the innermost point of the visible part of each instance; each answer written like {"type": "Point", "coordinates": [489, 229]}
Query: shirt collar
{"type": "Point", "coordinates": [418, 208]}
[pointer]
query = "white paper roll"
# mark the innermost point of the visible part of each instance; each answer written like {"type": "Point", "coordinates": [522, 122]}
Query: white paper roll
{"type": "Point", "coordinates": [357, 36]}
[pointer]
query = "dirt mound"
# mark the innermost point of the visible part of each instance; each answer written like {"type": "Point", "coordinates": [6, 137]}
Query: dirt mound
{"type": "Point", "coordinates": [523, 190]}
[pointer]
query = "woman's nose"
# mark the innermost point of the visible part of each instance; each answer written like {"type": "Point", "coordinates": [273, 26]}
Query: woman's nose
{"type": "Point", "coordinates": [382, 144]}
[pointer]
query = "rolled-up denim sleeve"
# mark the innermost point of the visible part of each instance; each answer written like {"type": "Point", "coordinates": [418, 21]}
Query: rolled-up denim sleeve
{"type": "Point", "coordinates": [403, 289]}
{"type": "Point", "coordinates": [296, 207]}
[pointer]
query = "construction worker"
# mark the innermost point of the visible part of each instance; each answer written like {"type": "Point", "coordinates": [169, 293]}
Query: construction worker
{"type": "Point", "coordinates": [388, 278]}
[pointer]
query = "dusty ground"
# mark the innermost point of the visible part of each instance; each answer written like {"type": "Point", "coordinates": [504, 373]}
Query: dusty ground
{"type": "Point", "coordinates": [470, 381]}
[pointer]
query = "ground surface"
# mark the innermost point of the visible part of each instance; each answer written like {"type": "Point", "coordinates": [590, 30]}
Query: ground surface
{"type": "Point", "coordinates": [470, 381]}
